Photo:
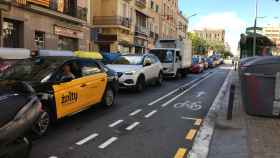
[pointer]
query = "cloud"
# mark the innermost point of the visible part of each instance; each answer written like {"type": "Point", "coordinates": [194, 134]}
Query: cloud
{"type": "Point", "coordinates": [229, 21]}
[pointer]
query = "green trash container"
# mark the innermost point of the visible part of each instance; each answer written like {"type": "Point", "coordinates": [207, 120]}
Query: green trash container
{"type": "Point", "coordinates": [260, 86]}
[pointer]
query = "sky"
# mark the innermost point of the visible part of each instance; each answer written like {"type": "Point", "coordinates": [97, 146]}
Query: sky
{"type": "Point", "coordinates": [232, 15]}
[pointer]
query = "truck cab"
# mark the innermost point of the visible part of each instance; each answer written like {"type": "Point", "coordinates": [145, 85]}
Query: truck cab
{"type": "Point", "coordinates": [175, 56]}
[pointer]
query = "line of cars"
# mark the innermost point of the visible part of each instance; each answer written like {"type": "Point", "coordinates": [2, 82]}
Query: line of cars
{"type": "Point", "coordinates": [66, 82]}
{"type": "Point", "coordinates": [201, 63]}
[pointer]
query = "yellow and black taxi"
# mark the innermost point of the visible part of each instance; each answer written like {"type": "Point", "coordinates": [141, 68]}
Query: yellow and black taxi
{"type": "Point", "coordinates": [64, 84]}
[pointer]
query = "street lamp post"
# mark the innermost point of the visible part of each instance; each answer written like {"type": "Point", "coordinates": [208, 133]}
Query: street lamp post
{"type": "Point", "coordinates": [255, 29]}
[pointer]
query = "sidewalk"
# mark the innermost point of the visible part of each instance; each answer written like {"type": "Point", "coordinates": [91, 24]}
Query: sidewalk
{"type": "Point", "coordinates": [244, 136]}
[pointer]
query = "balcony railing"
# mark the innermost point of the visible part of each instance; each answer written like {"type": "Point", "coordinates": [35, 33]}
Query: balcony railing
{"type": "Point", "coordinates": [112, 20]}
{"type": "Point", "coordinates": [80, 13]}
{"type": "Point", "coordinates": [141, 3]}
{"type": "Point", "coordinates": [141, 30]}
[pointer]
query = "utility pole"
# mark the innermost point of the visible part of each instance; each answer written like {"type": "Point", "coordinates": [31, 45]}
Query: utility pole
{"type": "Point", "coordinates": [255, 29]}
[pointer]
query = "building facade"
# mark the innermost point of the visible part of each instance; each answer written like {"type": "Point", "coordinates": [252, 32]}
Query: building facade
{"type": "Point", "coordinates": [168, 21]}
{"type": "Point", "coordinates": [273, 33]}
{"type": "Point", "coordinates": [133, 26]}
{"type": "Point", "coordinates": [45, 24]}
{"type": "Point", "coordinates": [182, 26]}
{"type": "Point", "coordinates": [126, 26]}
{"type": "Point", "coordinates": [211, 35]}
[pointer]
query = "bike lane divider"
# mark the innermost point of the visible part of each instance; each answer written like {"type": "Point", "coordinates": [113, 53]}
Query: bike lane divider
{"type": "Point", "coordinates": [185, 91]}
{"type": "Point", "coordinates": [177, 89]}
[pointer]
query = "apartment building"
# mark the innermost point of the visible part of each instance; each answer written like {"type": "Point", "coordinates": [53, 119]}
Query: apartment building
{"type": "Point", "coordinates": [182, 26]}
{"type": "Point", "coordinates": [45, 24]}
{"type": "Point", "coordinates": [273, 33]}
{"type": "Point", "coordinates": [168, 21]}
{"type": "Point", "coordinates": [153, 22]}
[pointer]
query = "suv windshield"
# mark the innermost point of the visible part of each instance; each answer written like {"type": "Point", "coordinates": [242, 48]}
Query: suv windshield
{"type": "Point", "coordinates": [165, 56]}
{"type": "Point", "coordinates": [129, 60]}
{"type": "Point", "coordinates": [30, 69]}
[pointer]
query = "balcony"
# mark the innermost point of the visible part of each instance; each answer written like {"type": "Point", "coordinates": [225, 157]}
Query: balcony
{"type": "Point", "coordinates": [141, 3]}
{"type": "Point", "coordinates": [45, 6]}
{"type": "Point", "coordinates": [106, 38]}
{"type": "Point", "coordinates": [112, 21]}
{"type": "Point", "coordinates": [141, 31]}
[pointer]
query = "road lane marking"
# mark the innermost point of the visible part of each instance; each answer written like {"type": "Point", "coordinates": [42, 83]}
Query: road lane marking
{"type": "Point", "coordinates": [175, 90]}
{"type": "Point", "coordinates": [90, 137]}
{"type": "Point", "coordinates": [135, 112]}
{"type": "Point", "coordinates": [53, 157]}
{"type": "Point", "coordinates": [187, 90]}
{"type": "Point", "coordinates": [180, 153]}
{"type": "Point", "coordinates": [132, 126]}
{"type": "Point", "coordinates": [116, 123]}
{"type": "Point", "coordinates": [107, 142]}
{"type": "Point", "coordinates": [198, 122]}
{"type": "Point", "coordinates": [188, 118]}
{"type": "Point", "coordinates": [151, 114]}
{"type": "Point", "coordinates": [191, 134]}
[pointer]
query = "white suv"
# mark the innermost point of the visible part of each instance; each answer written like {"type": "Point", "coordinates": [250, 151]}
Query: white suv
{"type": "Point", "coordinates": [136, 71]}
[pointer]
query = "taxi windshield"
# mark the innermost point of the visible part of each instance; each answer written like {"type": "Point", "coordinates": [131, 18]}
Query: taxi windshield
{"type": "Point", "coordinates": [30, 69]}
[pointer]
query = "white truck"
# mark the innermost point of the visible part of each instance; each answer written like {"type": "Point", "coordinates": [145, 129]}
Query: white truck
{"type": "Point", "coordinates": [175, 56]}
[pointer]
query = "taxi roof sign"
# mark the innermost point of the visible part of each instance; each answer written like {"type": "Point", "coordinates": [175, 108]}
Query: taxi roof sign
{"type": "Point", "coordinates": [14, 53]}
{"type": "Point", "coordinates": [92, 55]}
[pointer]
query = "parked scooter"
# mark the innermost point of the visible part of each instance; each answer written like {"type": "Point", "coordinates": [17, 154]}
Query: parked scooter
{"type": "Point", "coordinates": [19, 110]}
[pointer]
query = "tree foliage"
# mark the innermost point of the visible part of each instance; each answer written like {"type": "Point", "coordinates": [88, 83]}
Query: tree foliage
{"type": "Point", "coordinates": [201, 46]}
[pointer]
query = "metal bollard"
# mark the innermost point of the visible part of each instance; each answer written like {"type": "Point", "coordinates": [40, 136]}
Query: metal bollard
{"type": "Point", "coordinates": [231, 100]}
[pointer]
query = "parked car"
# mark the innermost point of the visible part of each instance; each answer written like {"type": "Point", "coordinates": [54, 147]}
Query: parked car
{"type": "Point", "coordinates": [197, 65]}
{"type": "Point", "coordinates": [211, 62]}
{"type": "Point", "coordinates": [9, 56]}
{"type": "Point", "coordinates": [205, 63]}
{"type": "Point", "coordinates": [136, 71]}
{"type": "Point", "coordinates": [20, 109]}
{"type": "Point", "coordinates": [64, 84]}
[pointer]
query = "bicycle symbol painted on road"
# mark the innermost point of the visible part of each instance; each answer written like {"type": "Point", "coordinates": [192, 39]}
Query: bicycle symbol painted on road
{"type": "Point", "coordinates": [195, 106]}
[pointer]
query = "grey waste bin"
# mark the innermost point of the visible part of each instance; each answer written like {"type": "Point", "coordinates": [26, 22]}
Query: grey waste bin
{"type": "Point", "coordinates": [244, 61]}
{"type": "Point", "coordinates": [260, 86]}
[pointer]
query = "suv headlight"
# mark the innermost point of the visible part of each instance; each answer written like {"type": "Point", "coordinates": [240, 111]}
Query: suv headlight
{"type": "Point", "coordinates": [130, 73]}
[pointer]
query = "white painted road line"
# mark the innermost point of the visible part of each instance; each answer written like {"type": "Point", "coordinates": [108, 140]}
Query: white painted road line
{"type": "Point", "coordinates": [135, 112]}
{"type": "Point", "coordinates": [53, 157]}
{"type": "Point", "coordinates": [107, 143]}
{"type": "Point", "coordinates": [179, 95]}
{"type": "Point", "coordinates": [115, 123]}
{"type": "Point", "coordinates": [132, 126]}
{"type": "Point", "coordinates": [90, 137]}
{"type": "Point", "coordinates": [175, 90]}
{"type": "Point", "coordinates": [150, 114]}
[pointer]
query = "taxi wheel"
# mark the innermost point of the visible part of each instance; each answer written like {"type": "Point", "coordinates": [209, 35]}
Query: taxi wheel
{"type": "Point", "coordinates": [109, 97]}
{"type": "Point", "coordinates": [43, 123]}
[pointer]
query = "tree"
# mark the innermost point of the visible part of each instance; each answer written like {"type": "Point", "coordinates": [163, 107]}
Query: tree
{"type": "Point", "coordinates": [199, 45]}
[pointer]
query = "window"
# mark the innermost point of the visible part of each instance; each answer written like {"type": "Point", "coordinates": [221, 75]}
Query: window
{"type": "Point", "coordinates": [39, 39]}
{"type": "Point", "coordinates": [152, 4]}
{"type": "Point", "coordinates": [11, 33]}
{"type": "Point", "coordinates": [89, 68]}
{"type": "Point", "coordinates": [157, 8]}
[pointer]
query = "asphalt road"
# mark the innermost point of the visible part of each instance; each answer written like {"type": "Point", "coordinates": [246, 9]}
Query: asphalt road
{"type": "Point", "coordinates": [161, 122]}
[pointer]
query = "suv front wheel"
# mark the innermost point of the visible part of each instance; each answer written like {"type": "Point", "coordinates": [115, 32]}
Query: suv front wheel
{"type": "Point", "coordinates": [140, 85]}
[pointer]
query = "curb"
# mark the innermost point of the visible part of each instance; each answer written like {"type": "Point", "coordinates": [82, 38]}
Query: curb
{"type": "Point", "coordinates": [202, 142]}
